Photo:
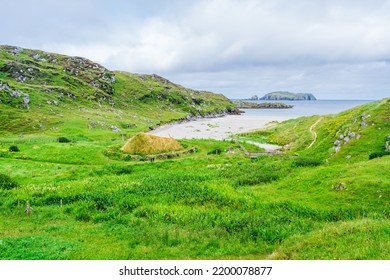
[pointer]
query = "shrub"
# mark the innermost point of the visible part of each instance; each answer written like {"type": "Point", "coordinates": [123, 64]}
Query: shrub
{"type": "Point", "coordinates": [379, 154]}
{"type": "Point", "coordinates": [303, 162]}
{"type": "Point", "coordinates": [6, 182]}
{"type": "Point", "coordinates": [64, 140]}
{"type": "Point", "coordinates": [216, 151]}
{"type": "Point", "coordinates": [119, 170]}
{"type": "Point", "coordinates": [14, 148]}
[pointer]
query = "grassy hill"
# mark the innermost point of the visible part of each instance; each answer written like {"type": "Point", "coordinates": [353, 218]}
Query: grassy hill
{"type": "Point", "coordinates": [62, 95]}
{"type": "Point", "coordinates": [63, 199]}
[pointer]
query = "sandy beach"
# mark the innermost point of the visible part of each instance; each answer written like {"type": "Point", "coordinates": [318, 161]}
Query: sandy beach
{"type": "Point", "coordinates": [215, 128]}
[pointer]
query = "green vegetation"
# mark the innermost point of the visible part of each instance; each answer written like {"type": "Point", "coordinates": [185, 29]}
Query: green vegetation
{"type": "Point", "coordinates": [6, 183]}
{"type": "Point", "coordinates": [13, 148]}
{"type": "Point", "coordinates": [379, 154]}
{"type": "Point", "coordinates": [310, 202]}
{"type": "Point", "coordinates": [64, 140]}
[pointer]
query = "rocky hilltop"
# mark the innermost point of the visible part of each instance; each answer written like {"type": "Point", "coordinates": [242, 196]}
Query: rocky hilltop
{"type": "Point", "coordinates": [285, 95]}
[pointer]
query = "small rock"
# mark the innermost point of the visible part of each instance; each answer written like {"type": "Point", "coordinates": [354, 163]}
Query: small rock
{"type": "Point", "coordinates": [337, 143]}
{"type": "Point", "coordinates": [337, 149]}
{"type": "Point", "coordinates": [348, 156]}
{"type": "Point", "coordinates": [352, 134]}
{"type": "Point", "coordinates": [341, 136]}
{"type": "Point", "coordinates": [387, 146]}
{"type": "Point", "coordinates": [15, 94]}
{"type": "Point", "coordinates": [363, 124]}
{"type": "Point", "coordinates": [346, 139]}
{"type": "Point", "coordinates": [339, 187]}
{"type": "Point", "coordinates": [388, 136]}
{"type": "Point", "coordinates": [26, 98]}
{"type": "Point", "coordinates": [115, 128]}
{"type": "Point", "coordinates": [230, 149]}
{"type": "Point", "coordinates": [4, 86]}
{"type": "Point", "coordinates": [36, 56]}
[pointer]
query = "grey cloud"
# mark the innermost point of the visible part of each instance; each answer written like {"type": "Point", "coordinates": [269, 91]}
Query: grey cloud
{"type": "Point", "coordinates": [234, 47]}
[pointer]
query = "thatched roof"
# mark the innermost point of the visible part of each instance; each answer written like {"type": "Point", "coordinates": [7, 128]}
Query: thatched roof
{"type": "Point", "coordinates": [147, 144]}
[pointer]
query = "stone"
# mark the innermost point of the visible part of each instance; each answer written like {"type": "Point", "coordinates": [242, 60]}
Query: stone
{"type": "Point", "coordinates": [339, 187]}
{"type": "Point", "coordinates": [337, 143]}
{"type": "Point", "coordinates": [337, 149]}
{"type": "Point", "coordinates": [21, 79]}
{"type": "Point", "coordinates": [388, 136]}
{"type": "Point", "coordinates": [363, 124]}
{"type": "Point", "coordinates": [387, 146]}
{"type": "Point", "coordinates": [36, 56]}
{"type": "Point", "coordinates": [341, 136]}
{"type": "Point", "coordinates": [26, 98]}
{"type": "Point", "coordinates": [52, 102]}
{"type": "Point", "coordinates": [346, 139]}
{"type": "Point", "coordinates": [4, 86]}
{"type": "Point", "coordinates": [348, 156]}
{"type": "Point", "coordinates": [115, 128]}
{"type": "Point", "coordinates": [15, 94]}
{"type": "Point", "coordinates": [352, 134]}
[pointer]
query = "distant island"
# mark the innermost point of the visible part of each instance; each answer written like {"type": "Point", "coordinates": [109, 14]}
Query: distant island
{"type": "Point", "coordinates": [241, 104]}
{"type": "Point", "coordinates": [285, 95]}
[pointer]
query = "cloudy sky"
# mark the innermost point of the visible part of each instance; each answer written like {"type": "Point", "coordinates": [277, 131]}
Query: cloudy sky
{"type": "Point", "coordinates": [334, 49]}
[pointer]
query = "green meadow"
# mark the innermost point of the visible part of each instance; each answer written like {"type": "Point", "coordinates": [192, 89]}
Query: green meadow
{"type": "Point", "coordinates": [81, 197]}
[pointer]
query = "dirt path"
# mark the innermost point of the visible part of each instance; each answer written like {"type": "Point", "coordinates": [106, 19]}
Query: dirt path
{"type": "Point", "coordinates": [314, 133]}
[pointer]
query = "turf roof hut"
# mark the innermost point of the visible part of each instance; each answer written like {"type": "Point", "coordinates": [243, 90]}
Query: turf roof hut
{"type": "Point", "coordinates": [147, 144]}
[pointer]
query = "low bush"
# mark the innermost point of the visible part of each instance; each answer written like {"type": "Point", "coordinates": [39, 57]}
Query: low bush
{"type": "Point", "coordinates": [7, 183]}
{"type": "Point", "coordinates": [14, 148]}
{"type": "Point", "coordinates": [379, 154]}
{"type": "Point", "coordinates": [63, 140]}
{"type": "Point", "coordinates": [304, 162]}
{"type": "Point", "coordinates": [216, 151]}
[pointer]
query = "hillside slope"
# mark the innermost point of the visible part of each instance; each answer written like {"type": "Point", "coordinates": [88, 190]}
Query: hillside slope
{"type": "Point", "coordinates": [58, 94]}
{"type": "Point", "coordinates": [350, 136]}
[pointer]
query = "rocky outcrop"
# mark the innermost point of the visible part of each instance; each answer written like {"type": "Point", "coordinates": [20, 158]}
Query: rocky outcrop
{"type": "Point", "coordinates": [267, 105]}
{"type": "Point", "coordinates": [345, 137]}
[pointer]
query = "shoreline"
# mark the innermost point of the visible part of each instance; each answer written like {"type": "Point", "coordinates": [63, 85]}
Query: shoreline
{"type": "Point", "coordinates": [218, 128]}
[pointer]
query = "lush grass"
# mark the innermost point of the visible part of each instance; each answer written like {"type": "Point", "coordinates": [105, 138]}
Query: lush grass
{"type": "Point", "coordinates": [196, 206]}
{"type": "Point", "coordinates": [85, 194]}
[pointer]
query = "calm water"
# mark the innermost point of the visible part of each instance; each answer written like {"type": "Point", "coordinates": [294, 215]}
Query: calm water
{"type": "Point", "coordinates": [307, 108]}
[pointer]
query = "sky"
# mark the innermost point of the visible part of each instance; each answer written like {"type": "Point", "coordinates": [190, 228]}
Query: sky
{"type": "Point", "coordinates": [333, 49]}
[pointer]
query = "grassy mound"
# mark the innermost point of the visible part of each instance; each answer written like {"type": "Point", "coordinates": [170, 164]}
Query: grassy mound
{"type": "Point", "coordinates": [147, 144]}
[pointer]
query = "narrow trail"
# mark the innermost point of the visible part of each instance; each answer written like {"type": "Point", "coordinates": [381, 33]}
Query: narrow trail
{"type": "Point", "coordinates": [314, 133]}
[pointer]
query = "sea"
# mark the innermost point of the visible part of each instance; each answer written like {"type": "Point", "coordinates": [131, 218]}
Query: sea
{"type": "Point", "coordinates": [252, 119]}
{"type": "Point", "coordinates": [306, 108]}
